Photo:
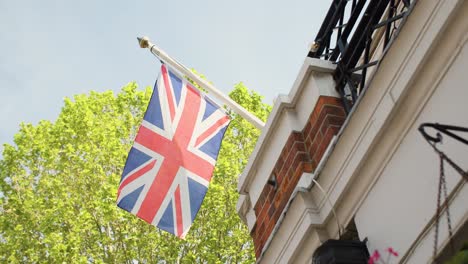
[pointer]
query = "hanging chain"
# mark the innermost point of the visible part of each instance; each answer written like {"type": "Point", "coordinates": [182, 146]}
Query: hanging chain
{"type": "Point", "coordinates": [447, 211]}
{"type": "Point", "coordinates": [439, 192]}
{"type": "Point", "coordinates": [462, 173]}
{"type": "Point", "coordinates": [446, 129]}
{"type": "Point", "coordinates": [442, 187]}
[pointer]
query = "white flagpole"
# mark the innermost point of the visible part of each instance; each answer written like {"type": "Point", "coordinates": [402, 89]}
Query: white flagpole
{"type": "Point", "coordinates": [145, 43]}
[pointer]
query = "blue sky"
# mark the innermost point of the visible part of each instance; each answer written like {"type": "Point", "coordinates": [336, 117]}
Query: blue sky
{"type": "Point", "coordinates": [50, 50]}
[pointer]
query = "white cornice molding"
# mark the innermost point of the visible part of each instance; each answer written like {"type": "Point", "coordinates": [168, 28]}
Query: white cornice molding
{"type": "Point", "coordinates": [282, 102]}
{"type": "Point", "coordinates": [291, 228]}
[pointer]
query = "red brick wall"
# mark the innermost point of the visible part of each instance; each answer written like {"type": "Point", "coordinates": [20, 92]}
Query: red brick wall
{"type": "Point", "coordinates": [301, 153]}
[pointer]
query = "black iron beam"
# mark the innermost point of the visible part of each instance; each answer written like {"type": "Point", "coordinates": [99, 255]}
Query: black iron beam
{"type": "Point", "coordinates": [343, 41]}
{"type": "Point", "coordinates": [371, 17]}
{"type": "Point", "coordinates": [331, 19]}
{"type": "Point", "coordinates": [390, 20]}
{"type": "Point", "coordinates": [360, 67]}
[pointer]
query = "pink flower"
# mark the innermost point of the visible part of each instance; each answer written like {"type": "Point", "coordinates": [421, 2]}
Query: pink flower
{"type": "Point", "coordinates": [393, 252]}
{"type": "Point", "coordinates": [374, 258]}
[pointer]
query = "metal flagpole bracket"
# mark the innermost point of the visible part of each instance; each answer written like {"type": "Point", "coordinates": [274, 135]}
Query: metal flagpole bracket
{"type": "Point", "coordinates": [145, 43]}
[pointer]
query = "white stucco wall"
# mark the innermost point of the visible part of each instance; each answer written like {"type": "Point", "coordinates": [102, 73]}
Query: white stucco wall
{"type": "Point", "coordinates": [403, 200]}
{"type": "Point", "coordinates": [398, 210]}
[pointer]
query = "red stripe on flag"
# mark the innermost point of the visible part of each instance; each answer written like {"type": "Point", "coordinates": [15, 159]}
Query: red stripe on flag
{"type": "Point", "coordinates": [158, 190]}
{"type": "Point", "coordinates": [178, 208]}
{"type": "Point", "coordinates": [165, 148]}
{"type": "Point", "coordinates": [211, 130]}
{"type": "Point", "coordinates": [202, 168]}
{"type": "Point", "coordinates": [136, 175]}
{"type": "Point", "coordinates": [170, 95]}
{"type": "Point", "coordinates": [153, 141]}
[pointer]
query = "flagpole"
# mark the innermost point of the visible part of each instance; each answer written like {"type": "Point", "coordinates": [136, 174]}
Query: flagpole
{"type": "Point", "coordinates": [145, 43]}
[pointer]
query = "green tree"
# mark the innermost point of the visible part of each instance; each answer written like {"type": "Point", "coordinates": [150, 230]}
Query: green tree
{"type": "Point", "coordinates": [58, 186]}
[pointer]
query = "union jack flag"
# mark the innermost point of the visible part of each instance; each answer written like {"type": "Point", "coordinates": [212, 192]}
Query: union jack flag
{"type": "Point", "coordinates": [171, 162]}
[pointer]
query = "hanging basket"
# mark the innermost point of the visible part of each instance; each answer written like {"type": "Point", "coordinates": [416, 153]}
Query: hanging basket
{"type": "Point", "coordinates": [341, 251]}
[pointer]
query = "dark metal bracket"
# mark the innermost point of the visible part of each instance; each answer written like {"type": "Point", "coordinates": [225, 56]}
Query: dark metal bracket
{"type": "Point", "coordinates": [445, 129]}
{"type": "Point", "coordinates": [433, 140]}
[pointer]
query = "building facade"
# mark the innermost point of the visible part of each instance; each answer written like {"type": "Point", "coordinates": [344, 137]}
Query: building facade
{"type": "Point", "coordinates": [341, 156]}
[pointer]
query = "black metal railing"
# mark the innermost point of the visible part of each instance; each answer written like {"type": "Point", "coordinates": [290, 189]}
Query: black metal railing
{"type": "Point", "coordinates": [349, 36]}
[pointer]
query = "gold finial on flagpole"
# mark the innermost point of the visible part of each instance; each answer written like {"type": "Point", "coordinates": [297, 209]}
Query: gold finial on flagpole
{"type": "Point", "coordinates": [144, 42]}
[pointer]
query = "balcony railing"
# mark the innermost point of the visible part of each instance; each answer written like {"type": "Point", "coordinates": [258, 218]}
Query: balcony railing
{"type": "Point", "coordinates": [355, 35]}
